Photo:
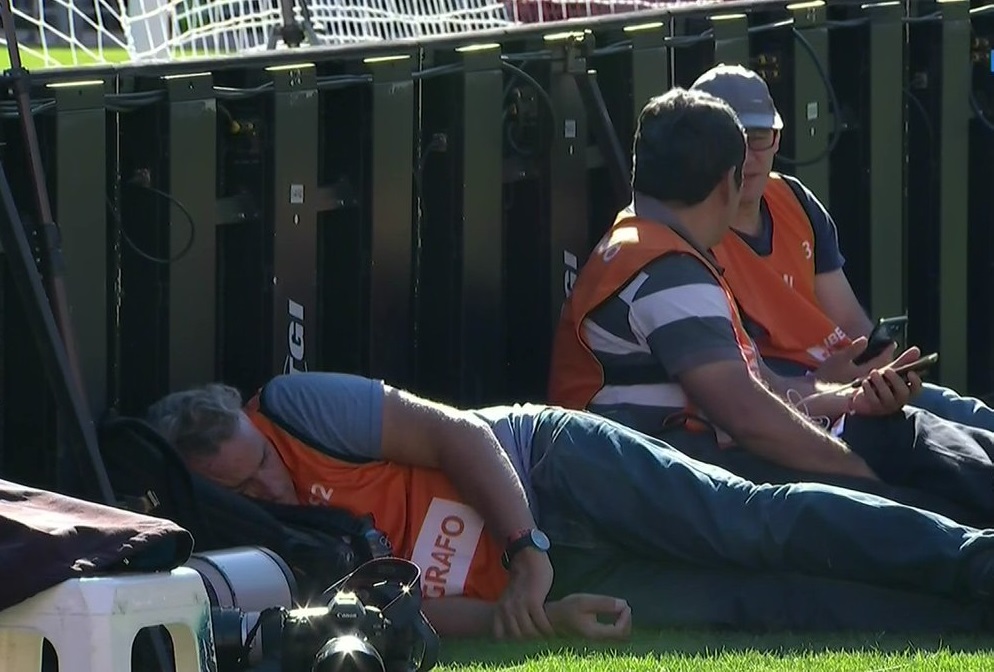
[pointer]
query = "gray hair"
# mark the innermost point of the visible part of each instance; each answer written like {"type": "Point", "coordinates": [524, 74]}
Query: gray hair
{"type": "Point", "coordinates": [196, 421]}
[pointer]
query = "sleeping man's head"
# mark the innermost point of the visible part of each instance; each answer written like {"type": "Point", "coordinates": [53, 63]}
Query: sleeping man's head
{"type": "Point", "coordinates": [208, 428]}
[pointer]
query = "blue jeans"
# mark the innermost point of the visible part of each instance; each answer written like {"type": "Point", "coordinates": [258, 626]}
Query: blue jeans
{"type": "Point", "coordinates": [947, 404]}
{"type": "Point", "coordinates": [600, 485]}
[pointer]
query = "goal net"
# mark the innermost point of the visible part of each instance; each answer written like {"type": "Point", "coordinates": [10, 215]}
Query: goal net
{"type": "Point", "coordinates": [79, 32]}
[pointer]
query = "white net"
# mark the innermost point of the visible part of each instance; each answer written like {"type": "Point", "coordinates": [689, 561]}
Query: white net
{"type": "Point", "coordinates": [79, 32]}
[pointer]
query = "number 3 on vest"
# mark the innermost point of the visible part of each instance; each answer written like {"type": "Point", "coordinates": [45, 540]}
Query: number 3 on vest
{"type": "Point", "coordinates": [806, 246]}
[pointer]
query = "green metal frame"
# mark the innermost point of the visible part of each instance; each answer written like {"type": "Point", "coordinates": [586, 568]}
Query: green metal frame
{"type": "Point", "coordinates": [192, 122]}
{"type": "Point", "coordinates": [886, 171]}
{"type": "Point", "coordinates": [651, 74]}
{"type": "Point", "coordinates": [391, 325]}
{"type": "Point", "coordinates": [481, 332]}
{"type": "Point", "coordinates": [731, 39]}
{"type": "Point", "coordinates": [294, 210]}
{"type": "Point", "coordinates": [568, 178]}
{"type": "Point", "coordinates": [81, 211]}
{"type": "Point", "coordinates": [953, 191]}
{"type": "Point", "coordinates": [812, 118]}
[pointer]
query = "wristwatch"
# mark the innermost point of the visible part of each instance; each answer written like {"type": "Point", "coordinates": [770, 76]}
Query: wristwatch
{"type": "Point", "coordinates": [533, 538]}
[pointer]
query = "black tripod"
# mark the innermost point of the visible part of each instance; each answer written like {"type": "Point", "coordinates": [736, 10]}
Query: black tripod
{"type": "Point", "coordinates": [47, 315]}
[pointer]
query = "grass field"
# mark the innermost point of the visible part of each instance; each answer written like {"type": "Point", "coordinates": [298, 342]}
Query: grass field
{"type": "Point", "coordinates": [709, 652]}
{"type": "Point", "coordinates": [34, 60]}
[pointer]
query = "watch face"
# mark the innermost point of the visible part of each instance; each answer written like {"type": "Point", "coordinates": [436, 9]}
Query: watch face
{"type": "Point", "coordinates": [540, 541]}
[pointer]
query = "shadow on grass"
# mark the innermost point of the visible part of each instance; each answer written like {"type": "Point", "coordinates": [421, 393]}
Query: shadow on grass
{"type": "Point", "coordinates": [709, 643]}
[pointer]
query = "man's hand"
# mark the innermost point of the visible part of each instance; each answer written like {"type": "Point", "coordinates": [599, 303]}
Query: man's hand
{"type": "Point", "coordinates": [577, 615]}
{"type": "Point", "coordinates": [883, 391]}
{"type": "Point", "coordinates": [839, 367]}
{"type": "Point", "coordinates": [520, 611]}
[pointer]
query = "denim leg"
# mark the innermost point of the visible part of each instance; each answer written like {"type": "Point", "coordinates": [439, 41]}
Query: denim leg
{"type": "Point", "coordinates": [947, 404]}
{"type": "Point", "coordinates": [642, 495]}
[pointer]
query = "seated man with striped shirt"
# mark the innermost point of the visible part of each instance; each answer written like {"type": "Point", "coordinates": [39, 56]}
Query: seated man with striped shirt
{"type": "Point", "coordinates": [652, 337]}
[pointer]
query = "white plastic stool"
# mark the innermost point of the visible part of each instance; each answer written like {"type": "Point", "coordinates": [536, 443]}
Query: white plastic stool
{"type": "Point", "coordinates": [92, 622]}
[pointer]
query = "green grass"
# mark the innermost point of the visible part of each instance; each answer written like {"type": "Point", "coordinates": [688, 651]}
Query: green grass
{"type": "Point", "coordinates": [33, 59]}
{"type": "Point", "coordinates": [676, 651]}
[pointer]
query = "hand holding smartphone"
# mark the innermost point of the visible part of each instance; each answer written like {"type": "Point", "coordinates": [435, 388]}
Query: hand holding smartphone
{"type": "Point", "coordinates": [887, 330]}
{"type": "Point", "coordinates": [920, 365]}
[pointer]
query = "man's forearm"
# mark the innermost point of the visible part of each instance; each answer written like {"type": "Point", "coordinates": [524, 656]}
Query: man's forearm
{"type": "Point", "coordinates": [769, 428]}
{"type": "Point", "coordinates": [828, 400]}
{"type": "Point", "coordinates": [472, 458]}
{"type": "Point", "coordinates": [459, 616]}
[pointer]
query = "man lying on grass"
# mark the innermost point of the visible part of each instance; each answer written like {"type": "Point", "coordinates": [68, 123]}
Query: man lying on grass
{"type": "Point", "coordinates": [464, 494]}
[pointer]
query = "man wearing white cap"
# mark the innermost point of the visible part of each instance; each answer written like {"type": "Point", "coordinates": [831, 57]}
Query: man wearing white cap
{"type": "Point", "coordinates": [783, 262]}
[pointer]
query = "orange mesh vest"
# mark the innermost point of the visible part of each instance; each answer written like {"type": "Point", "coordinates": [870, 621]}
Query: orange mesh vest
{"type": "Point", "coordinates": [418, 509]}
{"type": "Point", "coordinates": [778, 291]}
{"type": "Point", "coordinates": [628, 246]}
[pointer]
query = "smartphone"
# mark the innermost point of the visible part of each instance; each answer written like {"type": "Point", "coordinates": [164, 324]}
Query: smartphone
{"type": "Point", "coordinates": [918, 366]}
{"type": "Point", "coordinates": [887, 330]}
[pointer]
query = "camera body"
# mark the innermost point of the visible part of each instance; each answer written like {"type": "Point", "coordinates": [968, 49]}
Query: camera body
{"type": "Point", "coordinates": [320, 638]}
{"type": "Point", "coordinates": [370, 621]}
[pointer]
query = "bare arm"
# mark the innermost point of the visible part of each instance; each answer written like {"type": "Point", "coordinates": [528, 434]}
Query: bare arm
{"type": "Point", "coordinates": [686, 320]}
{"type": "Point", "coordinates": [762, 423]}
{"type": "Point", "coordinates": [423, 433]}
{"type": "Point", "coordinates": [837, 299]}
{"type": "Point", "coordinates": [459, 616]}
{"type": "Point", "coordinates": [821, 399]}
{"type": "Point", "coordinates": [596, 617]}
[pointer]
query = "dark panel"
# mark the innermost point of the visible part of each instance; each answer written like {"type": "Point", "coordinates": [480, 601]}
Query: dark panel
{"type": "Point", "coordinates": [886, 222]}
{"type": "Point", "coordinates": [391, 332]}
{"type": "Point", "coordinates": [482, 337]}
{"type": "Point", "coordinates": [981, 204]}
{"type": "Point", "coordinates": [568, 217]}
{"type": "Point", "coordinates": [192, 244]}
{"type": "Point", "coordinates": [937, 189]}
{"type": "Point", "coordinates": [142, 216]}
{"type": "Point", "coordinates": [731, 42]}
{"type": "Point", "coordinates": [692, 41]}
{"type": "Point", "coordinates": [461, 344]}
{"type": "Point", "coordinates": [293, 191]}
{"type": "Point", "coordinates": [812, 117]}
{"type": "Point", "coordinates": [244, 237]}
{"type": "Point", "coordinates": [343, 235]}
{"type": "Point", "coordinates": [528, 127]}
{"type": "Point", "coordinates": [867, 160]}
{"type": "Point", "coordinates": [953, 190]}
{"type": "Point", "coordinates": [81, 211]}
{"type": "Point", "coordinates": [650, 68]}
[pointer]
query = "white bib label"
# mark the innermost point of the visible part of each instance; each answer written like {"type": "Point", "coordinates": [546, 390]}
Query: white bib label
{"type": "Point", "coordinates": [445, 546]}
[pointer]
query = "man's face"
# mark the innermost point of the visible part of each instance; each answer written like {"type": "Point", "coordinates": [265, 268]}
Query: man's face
{"type": "Point", "coordinates": [248, 464]}
{"type": "Point", "coordinates": [762, 145]}
{"type": "Point", "coordinates": [732, 204]}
